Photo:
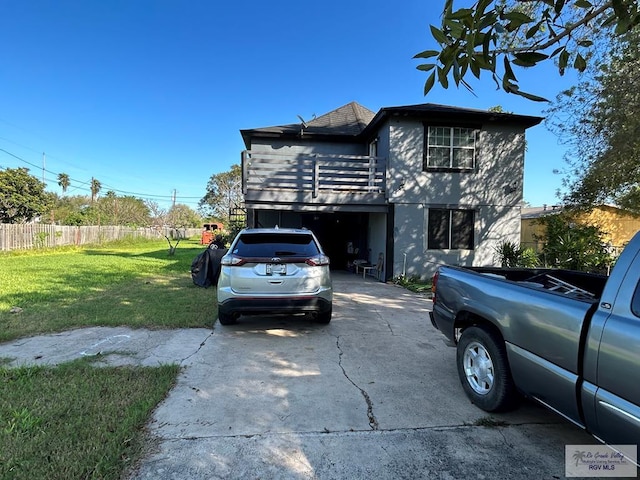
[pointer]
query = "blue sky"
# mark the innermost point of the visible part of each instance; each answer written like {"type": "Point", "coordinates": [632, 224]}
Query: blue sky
{"type": "Point", "coordinates": [148, 96]}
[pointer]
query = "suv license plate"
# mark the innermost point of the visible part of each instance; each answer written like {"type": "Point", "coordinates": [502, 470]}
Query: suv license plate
{"type": "Point", "coordinates": [276, 268]}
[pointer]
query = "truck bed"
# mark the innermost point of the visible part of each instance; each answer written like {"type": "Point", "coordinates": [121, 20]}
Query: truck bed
{"type": "Point", "coordinates": [531, 315]}
{"type": "Point", "coordinates": [579, 285]}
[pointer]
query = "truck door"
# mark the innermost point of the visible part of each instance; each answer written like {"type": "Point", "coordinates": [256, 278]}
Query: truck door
{"type": "Point", "coordinates": [611, 397]}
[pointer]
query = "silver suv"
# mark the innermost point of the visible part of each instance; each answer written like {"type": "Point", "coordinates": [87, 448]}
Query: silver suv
{"type": "Point", "coordinates": [274, 270]}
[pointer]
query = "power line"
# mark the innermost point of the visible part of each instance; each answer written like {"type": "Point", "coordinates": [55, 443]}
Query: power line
{"type": "Point", "coordinates": [144, 196]}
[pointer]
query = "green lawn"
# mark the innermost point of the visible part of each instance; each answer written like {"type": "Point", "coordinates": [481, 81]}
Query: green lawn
{"type": "Point", "coordinates": [134, 284]}
{"type": "Point", "coordinates": [76, 420]}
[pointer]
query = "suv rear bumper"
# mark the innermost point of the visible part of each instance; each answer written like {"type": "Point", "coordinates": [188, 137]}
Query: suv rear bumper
{"type": "Point", "coordinates": [258, 305]}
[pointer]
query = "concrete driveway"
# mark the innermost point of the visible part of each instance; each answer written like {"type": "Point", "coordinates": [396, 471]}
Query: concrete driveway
{"type": "Point", "coordinates": [372, 395]}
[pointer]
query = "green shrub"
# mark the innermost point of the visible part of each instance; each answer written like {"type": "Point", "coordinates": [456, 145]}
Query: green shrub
{"type": "Point", "coordinates": [574, 246]}
{"type": "Point", "coordinates": [510, 255]}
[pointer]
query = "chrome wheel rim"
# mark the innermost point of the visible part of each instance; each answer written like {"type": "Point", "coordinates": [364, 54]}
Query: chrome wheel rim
{"type": "Point", "coordinates": [478, 368]}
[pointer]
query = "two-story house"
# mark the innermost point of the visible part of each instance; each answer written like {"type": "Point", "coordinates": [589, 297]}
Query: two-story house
{"type": "Point", "coordinates": [416, 185]}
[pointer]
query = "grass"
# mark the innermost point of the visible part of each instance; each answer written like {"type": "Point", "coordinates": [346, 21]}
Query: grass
{"type": "Point", "coordinates": [77, 420]}
{"type": "Point", "coordinates": [414, 284]}
{"type": "Point", "coordinates": [128, 283]}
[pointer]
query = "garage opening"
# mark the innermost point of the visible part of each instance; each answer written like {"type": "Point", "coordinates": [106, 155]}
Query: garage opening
{"type": "Point", "coordinates": [343, 235]}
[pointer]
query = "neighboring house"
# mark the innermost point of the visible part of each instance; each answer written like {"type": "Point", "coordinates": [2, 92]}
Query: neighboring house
{"type": "Point", "coordinates": [419, 185]}
{"type": "Point", "coordinates": [618, 224]}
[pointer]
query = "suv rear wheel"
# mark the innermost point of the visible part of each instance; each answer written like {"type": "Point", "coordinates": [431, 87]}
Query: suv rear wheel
{"type": "Point", "coordinates": [324, 317]}
{"type": "Point", "coordinates": [226, 319]}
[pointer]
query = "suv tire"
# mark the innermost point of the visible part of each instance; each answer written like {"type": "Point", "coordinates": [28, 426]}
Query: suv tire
{"type": "Point", "coordinates": [226, 319]}
{"type": "Point", "coordinates": [324, 317]}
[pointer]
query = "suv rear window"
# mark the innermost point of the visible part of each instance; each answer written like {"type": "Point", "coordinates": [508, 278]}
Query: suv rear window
{"type": "Point", "coordinates": [275, 245]}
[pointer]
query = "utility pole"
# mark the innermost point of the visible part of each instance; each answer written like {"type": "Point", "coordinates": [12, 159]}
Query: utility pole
{"type": "Point", "coordinates": [174, 198]}
{"type": "Point", "coordinates": [43, 165]}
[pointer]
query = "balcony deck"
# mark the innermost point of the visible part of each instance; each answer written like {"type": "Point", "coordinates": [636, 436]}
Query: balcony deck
{"type": "Point", "coordinates": [308, 181]}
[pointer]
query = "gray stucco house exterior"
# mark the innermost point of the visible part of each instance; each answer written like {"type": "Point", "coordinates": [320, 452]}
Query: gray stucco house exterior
{"type": "Point", "coordinates": [417, 185]}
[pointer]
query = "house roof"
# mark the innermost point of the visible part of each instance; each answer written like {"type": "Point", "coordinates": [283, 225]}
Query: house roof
{"type": "Point", "coordinates": [446, 113]}
{"type": "Point", "coordinates": [537, 212]}
{"type": "Point", "coordinates": [347, 121]}
{"type": "Point", "coordinates": [352, 120]}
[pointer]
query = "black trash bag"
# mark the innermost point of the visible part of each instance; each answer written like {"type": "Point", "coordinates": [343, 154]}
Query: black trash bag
{"type": "Point", "coordinates": [205, 268]}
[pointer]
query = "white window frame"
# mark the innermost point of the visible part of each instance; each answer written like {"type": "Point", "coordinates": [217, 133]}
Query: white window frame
{"type": "Point", "coordinates": [431, 143]}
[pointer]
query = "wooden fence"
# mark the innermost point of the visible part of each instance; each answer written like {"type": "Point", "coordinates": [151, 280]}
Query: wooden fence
{"type": "Point", "coordinates": [37, 235]}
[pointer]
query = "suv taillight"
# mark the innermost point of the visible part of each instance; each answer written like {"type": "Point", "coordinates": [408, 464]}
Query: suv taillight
{"type": "Point", "coordinates": [232, 261]}
{"type": "Point", "coordinates": [317, 261]}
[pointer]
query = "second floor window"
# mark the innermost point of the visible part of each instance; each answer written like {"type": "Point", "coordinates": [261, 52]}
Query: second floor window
{"type": "Point", "coordinates": [450, 148]}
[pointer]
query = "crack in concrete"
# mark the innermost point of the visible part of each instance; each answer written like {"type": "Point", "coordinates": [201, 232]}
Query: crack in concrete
{"type": "Point", "coordinates": [359, 304]}
{"type": "Point", "coordinates": [373, 422]}
{"type": "Point", "coordinates": [202, 344]}
{"type": "Point", "coordinates": [385, 321]}
{"type": "Point", "coordinates": [336, 433]}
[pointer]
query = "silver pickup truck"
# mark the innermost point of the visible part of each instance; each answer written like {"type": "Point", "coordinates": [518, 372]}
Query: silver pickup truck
{"type": "Point", "coordinates": [568, 340]}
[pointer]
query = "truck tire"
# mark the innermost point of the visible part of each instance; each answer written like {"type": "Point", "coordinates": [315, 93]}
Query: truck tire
{"type": "Point", "coordinates": [484, 371]}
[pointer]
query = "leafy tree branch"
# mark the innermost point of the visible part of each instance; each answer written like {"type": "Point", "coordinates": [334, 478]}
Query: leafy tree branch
{"type": "Point", "coordinates": [493, 36]}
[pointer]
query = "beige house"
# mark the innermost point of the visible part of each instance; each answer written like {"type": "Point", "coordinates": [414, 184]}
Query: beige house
{"type": "Point", "coordinates": [618, 224]}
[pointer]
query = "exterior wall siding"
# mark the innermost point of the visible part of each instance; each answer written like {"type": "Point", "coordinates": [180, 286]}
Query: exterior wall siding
{"type": "Point", "coordinates": [493, 191]}
{"type": "Point", "coordinates": [289, 148]}
{"type": "Point", "coordinates": [377, 238]}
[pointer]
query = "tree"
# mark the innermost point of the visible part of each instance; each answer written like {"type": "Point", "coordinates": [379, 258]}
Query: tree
{"type": "Point", "coordinates": [158, 214]}
{"type": "Point", "coordinates": [22, 196]}
{"type": "Point", "coordinates": [493, 35]}
{"type": "Point", "coordinates": [126, 210]}
{"type": "Point", "coordinates": [182, 216]}
{"type": "Point", "coordinates": [72, 210]}
{"type": "Point", "coordinates": [95, 189]}
{"type": "Point", "coordinates": [598, 121]}
{"type": "Point", "coordinates": [224, 193]}
{"type": "Point", "coordinates": [64, 181]}
{"type": "Point", "coordinates": [572, 245]}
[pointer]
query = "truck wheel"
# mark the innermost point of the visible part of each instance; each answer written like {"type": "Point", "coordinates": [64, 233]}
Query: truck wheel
{"type": "Point", "coordinates": [484, 371]}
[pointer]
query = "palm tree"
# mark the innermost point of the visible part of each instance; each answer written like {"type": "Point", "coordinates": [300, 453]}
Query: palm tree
{"type": "Point", "coordinates": [95, 188]}
{"type": "Point", "coordinates": [64, 181]}
{"type": "Point", "coordinates": [579, 456]}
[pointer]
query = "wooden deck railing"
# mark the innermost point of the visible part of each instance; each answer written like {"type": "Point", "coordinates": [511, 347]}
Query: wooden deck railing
{"type": "Point", "coordinates": [315, 173]}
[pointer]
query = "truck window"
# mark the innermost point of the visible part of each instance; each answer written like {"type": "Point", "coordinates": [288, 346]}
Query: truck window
{"type": "Point", "coordinates": [635, 303]}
